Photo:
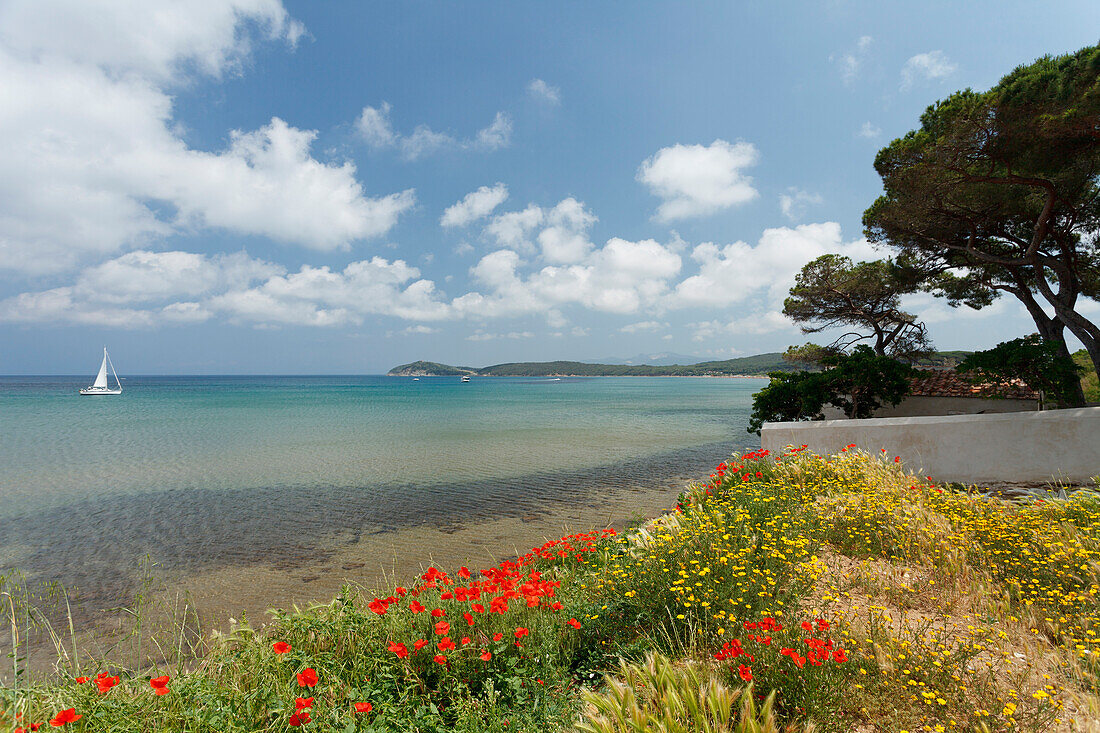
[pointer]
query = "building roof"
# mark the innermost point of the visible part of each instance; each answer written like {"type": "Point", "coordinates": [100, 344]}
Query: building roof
{"type": "Point", "coordinates": [947, 383]}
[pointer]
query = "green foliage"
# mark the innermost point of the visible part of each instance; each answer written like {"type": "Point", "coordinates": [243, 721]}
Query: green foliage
{"type": "Point", "coordinates": [429, 368]}
{"type": "Point", "coordinates": [1090, 384]}
{"type": "Point", "coordinates": [857, 383]}
{"type": "Point", "coordinates": [832, 292]}
{"type": "Point", "coordinates": [1037, 363]}
{"type": "Point", "coordinates": [757, 364]}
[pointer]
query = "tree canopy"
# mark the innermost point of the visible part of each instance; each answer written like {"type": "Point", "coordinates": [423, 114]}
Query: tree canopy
{"type": "Point", "coordinates": [1035, 362]}
{"type": "Point", "coordinates": [831, 291]}
{"type": "Point", "coordinates": [997, 192]}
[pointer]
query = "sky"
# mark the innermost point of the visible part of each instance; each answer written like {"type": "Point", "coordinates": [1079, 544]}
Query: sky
{"type": "Point", "coordinates": [266, 187]}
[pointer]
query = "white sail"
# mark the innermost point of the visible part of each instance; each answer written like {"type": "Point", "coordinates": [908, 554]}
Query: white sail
{"type": "Point", "coordinates": [101, 378]}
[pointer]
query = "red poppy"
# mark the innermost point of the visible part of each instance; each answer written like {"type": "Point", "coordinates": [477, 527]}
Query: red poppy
{"type": "Point", "coordinates": [303, 703]}
{"type": "Point", "coordinates": [807, 626]}
{"type": "Point", "coordinates": [469, 618]}
{"type": "Point", "coordinates": [82, 680]}
{"type": "Point", "coordinates": [438, 613]}
{"type": "Point", "coordinates": [439, 659]}
{"type": "Point", "coordinates": [281, 647]}
{"type": "Point", "coordinates": [307, 677]}
{"type": "Point", "coordinates": [416, 607]}
{"type": "Point", "coordinates": [463, 572]}
{"type": "Point", "coordinates": [477, 608]}
{"type": "Point", "coordinates": [419, 644]}
{"type": "Point", "coordinates": [299, 718]}
{"type": "Point", "coordinates": [521, 632]}
{"type": "Point", "coordinates": [465, 640]}
{"type": "Point", "coordinates": [822, 625]}
{"type": "Point", "coordinates": [840, 656]}
{"type": "Point", "coordinates": [363, 707]}
{"type": "Point", "coordinates": [399, 649]}
{"type": "Point", "coordinates": [378, 605]}
{"type": "Point", "coordinates": [498, 637]}
{"type": "Point", "coordinates": [574, 623]}
{"type": "Point", "coordinates": [442, 628]}
{"type": "Point", "coordinates": [744, 672]}
{"type": "Point", "coordinates": [105, 682]}
{"type": "Point", "coordinates": [486, 656]}
{"type": "Point", "coordinates": [65, 717]}
{"type": "Point", "coordinates": [160, 684]}
{"type": "Point", "coordinates": [446, 644]}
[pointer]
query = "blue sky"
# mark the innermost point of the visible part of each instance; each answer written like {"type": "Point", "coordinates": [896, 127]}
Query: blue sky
{"type": "Point", "coordinates": [263, 187]}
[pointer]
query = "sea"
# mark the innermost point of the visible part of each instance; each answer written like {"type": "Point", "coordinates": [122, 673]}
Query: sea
{"type": "Point", "coordinates": [256, 492]}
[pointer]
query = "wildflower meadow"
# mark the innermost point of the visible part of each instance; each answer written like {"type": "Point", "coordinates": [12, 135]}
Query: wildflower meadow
{"type": "Point", "coordinates": [783, 592]}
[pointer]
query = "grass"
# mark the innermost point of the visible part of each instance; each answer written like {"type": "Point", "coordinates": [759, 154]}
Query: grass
{"type": "Point", "coordinates": [792, 592]}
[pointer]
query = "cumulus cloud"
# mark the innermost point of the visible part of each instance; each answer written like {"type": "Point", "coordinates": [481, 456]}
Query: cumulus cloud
{"type": "Point", "coordinates": [850, 62]}
{"type": "Point", "coordinates": [143, 289]}
{"type": "Point", "coordinates": [929, 66]}
{"type": "Point", "coordinates": [697, 180]}
{"type": "Point", "coordinates": [559, 234]}
{"type": "Point", "coordinates": [543, 92]}
{"type": "Point", "coordinates": [376, 130]}
{"type": "Point", "coordinates": [474, 206]}
{"type": "Point", "coordinates": [91, 158]}
{"type": "Point", "coordinates": [794, 203]}
{"type": "Point", "coordinates": [738, 272]}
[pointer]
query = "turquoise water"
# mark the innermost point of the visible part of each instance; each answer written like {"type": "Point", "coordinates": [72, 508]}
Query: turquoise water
{"type": "Point", "coordinates": [201, 471]}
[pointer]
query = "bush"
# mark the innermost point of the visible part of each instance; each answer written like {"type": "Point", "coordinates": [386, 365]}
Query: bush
{"type": "Point", "coordinates": [1038, 364]}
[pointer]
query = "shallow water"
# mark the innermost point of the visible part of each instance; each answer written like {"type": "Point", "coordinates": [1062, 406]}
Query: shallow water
{"type": "Point", "coordinates": [309, 481]}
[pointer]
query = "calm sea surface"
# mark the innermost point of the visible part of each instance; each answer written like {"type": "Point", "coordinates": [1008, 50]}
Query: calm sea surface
{"type": "Point", "coordinates": [207, 473]}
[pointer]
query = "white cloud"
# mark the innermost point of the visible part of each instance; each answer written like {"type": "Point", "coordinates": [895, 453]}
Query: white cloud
{"type": "Point", "coordinates": [92, 161]}
{"type": "Point", "coordinates": [512, 229]}
{"type": "Point", "coordinates": [480, 335]}
{"type": "Point", "coordinates": [869, 130]}
{"type": "Point", "coordinates": [851, 61]}
{"type": "Point", "coordinates": [420, 330]}
{"type": "Point", "coordinates": [376, 129]}
{"type": "Point", "coordinates": [474, 206]}
{"type": "Point", "coordinates": [926, 67]}
{"type": "Point", "coordinates": [696, 181]}
{"type": "Point", "coordinates": [543, 92]}
{"type": "Point", "coordinates": [738, 272]}
{"type": "Point", "coordinates": [794, 203]}
{"type": "Point", "coordinates": [643, 326]}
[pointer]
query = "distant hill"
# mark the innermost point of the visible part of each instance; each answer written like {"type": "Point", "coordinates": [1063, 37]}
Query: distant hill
{"type": "Point", "coordinates": [749, 365]}
{"type": "Point", "coordinates": [663, 358]}
{"type": "Point", "coordinates": [758, 365]}
{"type": "Point", "coordinates": [429, 369]}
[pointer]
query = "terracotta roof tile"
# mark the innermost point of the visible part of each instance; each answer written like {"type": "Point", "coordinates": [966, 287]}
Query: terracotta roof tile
{"type": "Point", "coordinates": [947, 383]}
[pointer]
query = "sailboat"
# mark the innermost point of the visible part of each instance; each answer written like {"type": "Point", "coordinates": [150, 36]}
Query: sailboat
{"type": "Point", "coordinates": [100, 385]}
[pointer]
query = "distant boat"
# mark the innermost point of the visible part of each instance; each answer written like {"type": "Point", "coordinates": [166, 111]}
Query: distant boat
{"type": "Point", "coordinates": [100, 384]}
{"type": "Point", "coordinates": [466, 378]}
{"type": "Point", "coordinates": [416, 379]}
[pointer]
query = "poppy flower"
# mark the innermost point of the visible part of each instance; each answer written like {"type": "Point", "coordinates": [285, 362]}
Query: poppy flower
{"type": "Point", "coordinates": [486, 656]}
{"type": "Point", "coordinates": [416, 607]}
{"type": "Point", "coordinates": [399, 649]}
{"type": "Point", "coordinates": [438, 613]}
{"type": "Point", "coordinates": [160, 685]}
{"type": "Point", "coordinates": [477, 608]}
{"type": "Point", "coordinates": [299, 718]}
{"type": "Point", "coordinates": [439, 659]}
{"type": "Point", "coordinates": [65, 717]}
{"type": "Point", "coordinates": [303, 703]}
{"type": "Point", "coordinates": [557, 606]}
{"type": "Point", "coordinates": [463, 572]}
{"type": "Point", "coordinates": [442, 628]}
{"type": "Point", "coordinates": [446, 644]}
{"type": "Point", "coordinates": [498, 637]}
{"type": "Point", "coordinates": [469, 618]}
{"type": "Point", "coordinates": [307, 677]}
{"type": "Point", "coordinates": [822, 625]}
{"type": "Point", "coordinates": [840, 656]}
{"type": "Point", "coordinates": [82, 680]}
{"type": "Point", "coordinates": [574, 623]}
{"type": "Point", "coordinates": [744, 672]}
{"type": "Point", "coordinates": [807, 626]}
{"type": "Point", "coordinates": [105, 682]}
{"type": "Point", "coordinates": [281, 647]}
{"type": "Point", "coordinates": [378, 605]}
{"type": "Point", "coordinates": [465, 640]}
{"type": "Point", "coordinates": [363, 707]}
{"type": "Point", "coordinates": [419, 644]}
{"type": "Point", "coordinates": [521, 632]}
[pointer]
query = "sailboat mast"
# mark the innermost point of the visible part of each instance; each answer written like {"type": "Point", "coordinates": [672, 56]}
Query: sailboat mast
{"type": "Point", "coordinates": [108, 358]}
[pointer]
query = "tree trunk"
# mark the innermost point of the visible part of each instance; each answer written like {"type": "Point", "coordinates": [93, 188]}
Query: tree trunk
{"type": "Point", "coordinates": [1051, 330]}
{"type": "Point", "coordinates": [1087, 332]}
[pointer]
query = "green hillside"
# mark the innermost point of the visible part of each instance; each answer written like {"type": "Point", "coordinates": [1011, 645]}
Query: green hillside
{"type": "Point", "coordinates": [749, 365]}
{"type": "Point", "coordinates": [429, 369]}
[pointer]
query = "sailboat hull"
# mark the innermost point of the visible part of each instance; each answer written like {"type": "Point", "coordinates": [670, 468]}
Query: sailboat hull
{"type": "Point", "coordinates": [94, 391]}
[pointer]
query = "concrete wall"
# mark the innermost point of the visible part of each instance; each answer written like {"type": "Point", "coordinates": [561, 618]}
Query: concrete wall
{"type": "Point", "coordinates": [1012, 447]}
{"type": "Point", "coordinates": [916, 405]}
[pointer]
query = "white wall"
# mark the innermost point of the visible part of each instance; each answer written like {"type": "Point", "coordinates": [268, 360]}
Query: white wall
{"type": "Point", "coordinates": [1011, 447]}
